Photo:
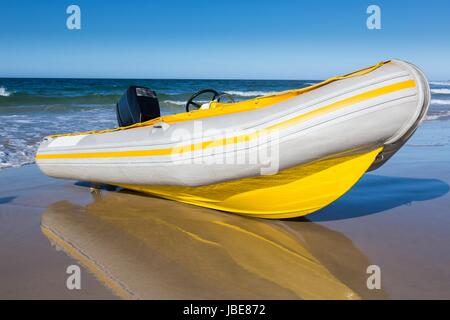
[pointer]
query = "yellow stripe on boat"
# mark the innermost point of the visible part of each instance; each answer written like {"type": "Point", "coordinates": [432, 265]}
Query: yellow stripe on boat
{"type": "Point", "coordinates": [242, 138]}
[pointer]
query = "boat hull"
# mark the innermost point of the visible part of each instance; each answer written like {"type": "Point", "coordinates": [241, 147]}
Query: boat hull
{"type": "Point", "coordinates": [293, 192]}
{"type": "Point", "coordinates": [236, 157]}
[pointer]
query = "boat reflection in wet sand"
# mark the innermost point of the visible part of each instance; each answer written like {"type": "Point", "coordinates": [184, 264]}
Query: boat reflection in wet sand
{"type": "Point", "coordinates": [150, 248]}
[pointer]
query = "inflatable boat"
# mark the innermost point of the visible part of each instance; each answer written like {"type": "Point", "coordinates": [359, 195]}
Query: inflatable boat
{"type": "Point", "coordinates": [276, 156]}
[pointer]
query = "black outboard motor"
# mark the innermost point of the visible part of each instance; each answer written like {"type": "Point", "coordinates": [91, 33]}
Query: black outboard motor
{"type": "Point", "coordinates": [138, 104]}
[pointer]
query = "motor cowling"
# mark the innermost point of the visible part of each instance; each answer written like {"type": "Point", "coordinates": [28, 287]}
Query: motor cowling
{"type": "Point", "coordinates": [138, 104]}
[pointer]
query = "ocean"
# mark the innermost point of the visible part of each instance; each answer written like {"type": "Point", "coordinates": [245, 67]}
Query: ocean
{"type": "Point", "coordinates": [31, 109]}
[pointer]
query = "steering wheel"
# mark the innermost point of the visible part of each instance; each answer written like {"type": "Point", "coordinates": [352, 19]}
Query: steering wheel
{"type": "Point", "coordinates": [199, 93]}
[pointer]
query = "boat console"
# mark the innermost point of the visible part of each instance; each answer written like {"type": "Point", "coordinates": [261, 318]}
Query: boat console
{"type": "Point", "coordinates": [140, 104]}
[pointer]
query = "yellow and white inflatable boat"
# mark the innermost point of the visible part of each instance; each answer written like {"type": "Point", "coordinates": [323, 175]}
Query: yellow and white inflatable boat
{"type": "Point", "coordinates": [277, 156]}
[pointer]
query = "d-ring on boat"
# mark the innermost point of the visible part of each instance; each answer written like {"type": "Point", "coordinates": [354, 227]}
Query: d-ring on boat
{"type": "Point", "coordinates": [321, 139]}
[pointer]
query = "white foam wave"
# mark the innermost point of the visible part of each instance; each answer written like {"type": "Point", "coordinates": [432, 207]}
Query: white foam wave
{"type": "Point", "coordinates": [440, 91]}
{"type": "Point", "coordinates": [440, 101]}
{"type": "Point", "coordinates": [433, 117]}
{"type": "Point", "coordinates": [4, 92]}
{"type": "Point", "coordinates": [437, 116]}
{"type": "Point", "coordinates": [250, 93]}
{"type": "Point", "coordinates": [175, 102]}
{"type": "Point", "coordinates": [440, 83]}
{"type": "Point", "coordinates": [182, 103]}
{"type": "Point", "coordinates": [20, 135]}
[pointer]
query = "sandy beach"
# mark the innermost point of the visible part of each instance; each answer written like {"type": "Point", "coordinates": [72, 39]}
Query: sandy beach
{"type": "Point", "coordinates": [134, 246]}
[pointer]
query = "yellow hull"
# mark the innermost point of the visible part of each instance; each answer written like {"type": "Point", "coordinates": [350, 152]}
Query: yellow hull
{"type": "Point", "coordinates": [291, 193]}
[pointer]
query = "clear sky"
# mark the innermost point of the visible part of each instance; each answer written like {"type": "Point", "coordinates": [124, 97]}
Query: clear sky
{"type": "Point", "coordinates": [264, 39]}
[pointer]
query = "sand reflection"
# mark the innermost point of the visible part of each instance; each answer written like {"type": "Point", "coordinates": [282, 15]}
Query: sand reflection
{"type": "Point", "coordinates": [149, 248]}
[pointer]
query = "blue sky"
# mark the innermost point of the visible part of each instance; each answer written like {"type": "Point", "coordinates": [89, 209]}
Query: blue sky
{"type": "Point", "coordinates": [265, 39]}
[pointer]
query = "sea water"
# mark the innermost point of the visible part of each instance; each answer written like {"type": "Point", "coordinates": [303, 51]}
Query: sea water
{"type": "Point", "coordinates": [31, 109]}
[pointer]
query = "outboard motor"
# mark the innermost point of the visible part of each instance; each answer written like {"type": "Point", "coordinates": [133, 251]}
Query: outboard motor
{"type": "Point", "coordinates": [138, 104]}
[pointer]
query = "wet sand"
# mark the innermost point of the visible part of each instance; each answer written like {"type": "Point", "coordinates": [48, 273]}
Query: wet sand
{"type": "Point", "coordinates": [133, 246]}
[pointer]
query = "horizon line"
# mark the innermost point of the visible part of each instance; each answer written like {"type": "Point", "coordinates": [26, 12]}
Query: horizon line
{"type": "Point", "coordinates": [119, 78]}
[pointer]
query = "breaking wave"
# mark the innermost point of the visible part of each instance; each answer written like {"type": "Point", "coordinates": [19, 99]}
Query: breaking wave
{"type": "Point", "coordinates": [438, 115]}
{"type": "Point", "coordinates": [175, 102]}
{"type": "Point", "coordinates": [440, 83]}
{"type": "Point", "coordinates": [4, 92]}
{"type": "Point", "coordinates": [440, 91]}
{"type": "Point", "coordinates": [440, 101]}
{"type": "Point", "coordinates": [250, 93]}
